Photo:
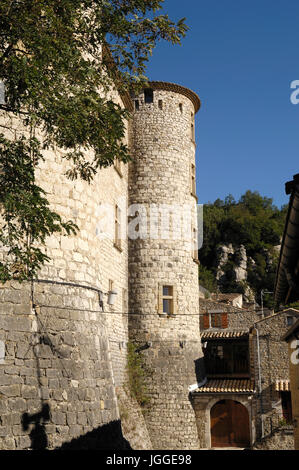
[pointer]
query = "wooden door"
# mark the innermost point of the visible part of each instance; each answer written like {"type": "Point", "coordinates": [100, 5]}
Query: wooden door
{"type": "Point", "coordinates": [229, 425]}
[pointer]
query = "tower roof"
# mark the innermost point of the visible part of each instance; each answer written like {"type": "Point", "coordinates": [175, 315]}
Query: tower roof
{"type": "Point", "coordinates": [178, 89]}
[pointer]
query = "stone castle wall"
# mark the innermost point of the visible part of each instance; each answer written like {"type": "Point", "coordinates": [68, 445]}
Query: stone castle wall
{"type": "Point", "coordinates": [160, 175]}
{"type": "Point", "coordinates": [57, 358]}
{"type": "Point", "coordinates": [68, 353]}
{"type": "Point", "coordinates": [65, 355]}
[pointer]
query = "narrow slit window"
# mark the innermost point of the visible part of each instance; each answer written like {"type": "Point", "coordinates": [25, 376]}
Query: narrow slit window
{"type": "Point", "coordinates": [193, 179]}
{"type": "Point", "coordinates": [136, 105]}
{"type": "Point", "coordinates": [194, 244]}
{"type": "Point", "coordinates": [181, 107]}
{"type": "Point", "coordinates": [117, 236]}
{"type": "Point", "coordinates": [148, 95]}
{"type": "Point", "coordinates": [160, 104]}
{"type": "Point", "coordinates": [192, 127]}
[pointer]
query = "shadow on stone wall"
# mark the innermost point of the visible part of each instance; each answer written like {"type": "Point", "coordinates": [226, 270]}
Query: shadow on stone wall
{"type": "Point", "coordinates": [106, 437]}
{"type": "Point", "coordinates": [38, 435]}
{"type": "Point", "coordinates": [200, 371]}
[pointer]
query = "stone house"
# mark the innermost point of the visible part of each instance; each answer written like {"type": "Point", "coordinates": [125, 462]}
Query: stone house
{"type": "Point", "coordinates": [292, 338]}
{"type": "Point", "coordinates": [64, 336]}
{"type": "Point", "coordinates": [286, 289]}
{"type": "Point", "coordinates": [245, 401]}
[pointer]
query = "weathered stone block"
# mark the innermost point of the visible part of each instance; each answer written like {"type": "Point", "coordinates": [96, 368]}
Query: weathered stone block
{"type": "Point", "coordinates": [58, 418]}
{"type": "Point", "coordinates": [11, 390]}
{"type": "Point", "coordinates": [28, 391]}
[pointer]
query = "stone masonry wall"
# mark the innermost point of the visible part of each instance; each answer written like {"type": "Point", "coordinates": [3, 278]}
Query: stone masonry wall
{"type": "Point", "coordinates": [160, 175]}
{"type": "Point", "coordinates": [77, 386]}
{"type": "Point", "coordinates": [273, 367]}
{"type": "Point", "coordinates": [56, 358]}
{"type": "Point", "coordinates": [294, 378]}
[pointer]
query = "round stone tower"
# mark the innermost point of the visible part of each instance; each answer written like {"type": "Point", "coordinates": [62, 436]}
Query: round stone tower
{"type": "Point", "coordinates": [163, 266]}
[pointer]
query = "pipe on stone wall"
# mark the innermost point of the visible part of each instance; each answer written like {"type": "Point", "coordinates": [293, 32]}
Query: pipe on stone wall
{"type": "Point", "coordinates": [259, 376]}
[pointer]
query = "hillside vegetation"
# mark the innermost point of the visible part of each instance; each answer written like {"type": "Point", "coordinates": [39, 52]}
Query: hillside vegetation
{"type": "Point", "coordinates": [241, 245]}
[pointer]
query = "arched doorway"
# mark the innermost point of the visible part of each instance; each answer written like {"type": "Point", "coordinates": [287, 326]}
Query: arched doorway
{"type": "Point", "coordinates": [229, 424]}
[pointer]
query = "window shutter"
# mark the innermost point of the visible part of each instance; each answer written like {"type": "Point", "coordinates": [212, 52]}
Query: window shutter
{"type": "Point", "coordinates": [206, 322]}
{"type": "Point", "coordinates": [175, 300]}
{"type": "Point", "coordinates": [224, 318]}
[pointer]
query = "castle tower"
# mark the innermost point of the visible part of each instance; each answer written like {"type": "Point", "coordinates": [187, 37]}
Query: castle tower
{"type": "Point", "coordinates": [163, 266]}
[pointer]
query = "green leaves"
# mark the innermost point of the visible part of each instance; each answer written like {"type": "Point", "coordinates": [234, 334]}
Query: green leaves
{"type": "Point", "coordinates": [60, 61]}
{"type": "Point", "coordinates": [254, 222]}
{"type": "Point", "coordinates": [25, 215]}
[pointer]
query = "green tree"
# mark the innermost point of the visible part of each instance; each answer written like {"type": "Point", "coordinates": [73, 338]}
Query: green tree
{"type": "Point", "coordinates": [59, 59]}
{"type": "Point", "coordinates": [254, 222]}
{"type": "Point", "coordinates": [207, 279]}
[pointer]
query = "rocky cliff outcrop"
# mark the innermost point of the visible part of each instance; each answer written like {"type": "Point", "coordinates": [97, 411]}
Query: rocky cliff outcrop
{"type": "Point", "coordinates": [236, 271]}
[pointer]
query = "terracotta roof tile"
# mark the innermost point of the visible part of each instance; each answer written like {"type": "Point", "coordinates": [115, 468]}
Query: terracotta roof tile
{"type": "Point", "coordinates": [227, 386]}
{"type": "Point", "coordinates": [282, 386]}
{"type": "Point", "coordinates": [223, 334]}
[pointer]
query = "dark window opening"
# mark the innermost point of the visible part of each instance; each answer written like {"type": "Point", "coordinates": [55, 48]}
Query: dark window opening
{"type": "Point", "coordinates": [286, 404]}
{"type": "Point", "coordinates": [160, 104]}
{"type": "Point", "coordinates": [227, 358]}
{"type": "Point", "coordinates": [192, 127]}
{"type": "Point", "coordinates": [181, 107]}
{"type": "Point", "coordinates": [148, 95]}
{"type": "Point", "coordinates": [136, 105]}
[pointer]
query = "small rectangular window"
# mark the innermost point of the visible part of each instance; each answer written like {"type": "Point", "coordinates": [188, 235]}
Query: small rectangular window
{"type": "Point", "coordinates": [136, 105]}
{"type": "Point", "coordinates": [160, 104]}
{"type": "Point", "coordinates": [215, 320]}
{"type": "Point", "coordinates": [181, 108]}
{"type": "Point", "coordinates": [167, 299]}
{"type": "Point", "coordinates": [193, 180]}
{"type": "Point", "coordinates": [117, 233]}
{"type": "Point", "coordinates": [148, 95]}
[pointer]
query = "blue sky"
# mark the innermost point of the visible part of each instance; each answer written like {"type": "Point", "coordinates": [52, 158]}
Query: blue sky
{"type": "Point", "coordinates": [240, 57]}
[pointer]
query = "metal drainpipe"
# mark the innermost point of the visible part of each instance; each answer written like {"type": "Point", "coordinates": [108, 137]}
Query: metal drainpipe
{"type": "Point", "coordinates": [259, 376]}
